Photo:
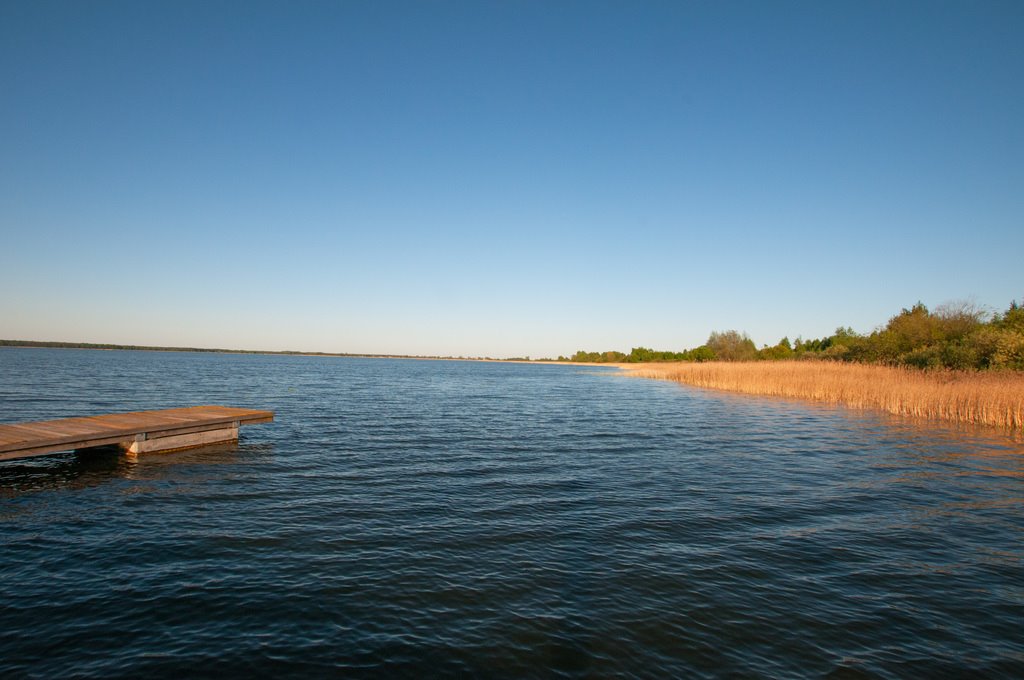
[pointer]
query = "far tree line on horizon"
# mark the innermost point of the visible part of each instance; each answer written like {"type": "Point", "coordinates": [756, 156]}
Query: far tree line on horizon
{"type": "Point", "coordinates": [957, 335]}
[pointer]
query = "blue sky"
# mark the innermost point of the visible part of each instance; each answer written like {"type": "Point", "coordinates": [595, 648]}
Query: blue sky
{"type": "Point", "coordinates": [499, 179]}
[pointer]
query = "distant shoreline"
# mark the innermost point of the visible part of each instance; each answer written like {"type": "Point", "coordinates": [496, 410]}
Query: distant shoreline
{"type": "Point", "coordinates": [982, 398]}
{"type": "Point", "coordinates": [53, 344]}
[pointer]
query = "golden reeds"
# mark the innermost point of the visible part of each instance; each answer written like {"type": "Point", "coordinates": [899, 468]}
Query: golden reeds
{"type": "Point", "coordinates": [989, 398]}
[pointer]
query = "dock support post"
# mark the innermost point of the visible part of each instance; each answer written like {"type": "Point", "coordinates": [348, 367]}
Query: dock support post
{"type": "Point", "coordinates": [144, 444]}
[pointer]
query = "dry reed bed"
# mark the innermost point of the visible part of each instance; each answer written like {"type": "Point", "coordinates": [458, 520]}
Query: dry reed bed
{"type": "Point", "coordinates": [995, 398]}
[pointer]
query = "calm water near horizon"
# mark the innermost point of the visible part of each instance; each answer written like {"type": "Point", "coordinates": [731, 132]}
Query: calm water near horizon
{"type": "Point", "coordinates": [425, 518]}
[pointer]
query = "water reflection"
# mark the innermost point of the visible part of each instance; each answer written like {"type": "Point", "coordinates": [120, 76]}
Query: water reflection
{"type": "Point", "coordinates": [96, 466]}
{"type": "Point", "coordinates": [927, 450]}
{"type": "Point", "coordinates": [72, 470]}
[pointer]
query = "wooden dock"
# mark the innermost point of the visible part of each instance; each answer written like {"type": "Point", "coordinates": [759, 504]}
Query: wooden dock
{"type": "Point", "coordinates": [139, 432]}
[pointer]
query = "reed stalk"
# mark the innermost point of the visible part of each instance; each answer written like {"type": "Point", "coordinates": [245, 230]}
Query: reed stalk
{"type": "Point", "coordinates": [981, 398]}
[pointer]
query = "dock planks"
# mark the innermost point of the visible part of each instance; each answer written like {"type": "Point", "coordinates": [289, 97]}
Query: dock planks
{"type": "Point", "coordinates": [168, 429]}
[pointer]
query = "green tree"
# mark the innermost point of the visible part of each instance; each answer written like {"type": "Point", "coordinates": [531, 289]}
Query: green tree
{"type": "Point", "coordinates": [731, 346]}
{"type": "Point", "coordinates": [783, 350]}
{"type": "Point", "coordinates": [702, 353]}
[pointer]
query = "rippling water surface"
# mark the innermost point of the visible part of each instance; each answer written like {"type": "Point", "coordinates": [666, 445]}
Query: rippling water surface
{"type": "Point", "coordinates": [411, 518]}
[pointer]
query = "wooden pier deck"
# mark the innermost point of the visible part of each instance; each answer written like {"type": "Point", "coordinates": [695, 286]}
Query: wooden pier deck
{"type": "Point", "coordinates": [138, 432]}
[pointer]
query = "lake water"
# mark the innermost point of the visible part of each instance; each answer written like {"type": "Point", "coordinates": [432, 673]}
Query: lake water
{"type": "Point", "coordinates": [425, 518]}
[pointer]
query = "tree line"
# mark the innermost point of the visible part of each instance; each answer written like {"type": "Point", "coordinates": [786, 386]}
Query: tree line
{"type": "Point", "coordinates": [958, 335]}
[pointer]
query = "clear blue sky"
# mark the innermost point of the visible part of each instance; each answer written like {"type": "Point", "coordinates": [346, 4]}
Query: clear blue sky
{"type": "Point", "coordinates": [513, 178]}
